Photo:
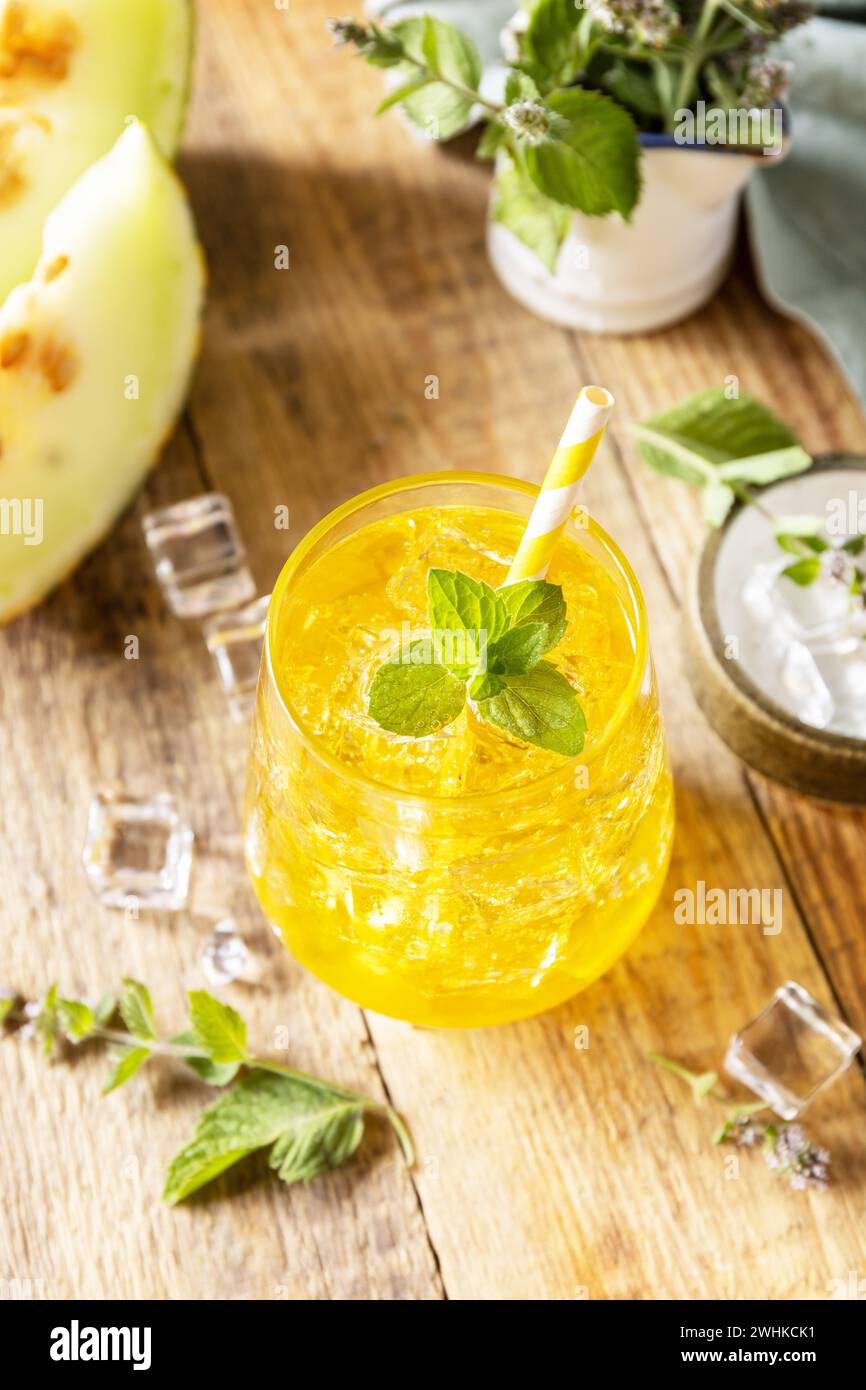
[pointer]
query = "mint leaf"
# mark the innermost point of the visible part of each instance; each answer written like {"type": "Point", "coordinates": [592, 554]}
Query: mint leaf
{"type": "Point", "coordinates": [855, 546]}
{"type": "Point", "coordinates": [136, 1010]}
{"type": "Point", "coordinates": [442, 107]}
{"type": "Point", "coordinates": [803, 572]}
{"type": "Point", "coordinates": [466, 616]}
{"type": "Point", "coordinates": [540, 707]}
{"type": "Point", "coordinates": [519, 86]}
{"type": "Point", "coordinates": [412, 694]}
{"type": "Point", "coordinates": [518, 651]}
{"type": "Point", "coordinates": [127, 1063]}
{"type": "Point", "coordinates": [76, 1019]}
{"type": "Point", "coordinates": [591, 163]}
{"type": "Point", "coordinates": [311, 1126]}
{"type": "Point", "coordinates": [539, 222]}
{"type": "Point", "coordinates": [766, 468]}
{"type": "Point", "coordinates": [214, 1073]}
{"type": "Point", "coordinates": [7, 1004]}
{"type": "Point", "coordinates": [105, 1009]}
{"type": "Point", "coordinates": [551, 41]}
{"type": "Point", "coordinates": [718, 499]}
{"type": "Point", "coordinates": [492, 137]}
{"type": "Point", "coordinates": [450, 54]}
{"type": "Point", "coordinates": [219, 1029]}
{"type": "Point", "coordinates": [793, 544]}
{"type": "Point", "coordinates": [633, 87]}
{"type": "Point", "coordinates": [537, 601]}
{"type": "Point", "coordinates": [45, 1023]}
{"type": "Point", "coordinates": [692, 440]}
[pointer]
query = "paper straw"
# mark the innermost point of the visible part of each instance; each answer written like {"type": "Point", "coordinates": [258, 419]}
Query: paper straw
{"type": "Point", "coordinates": [555, 501]}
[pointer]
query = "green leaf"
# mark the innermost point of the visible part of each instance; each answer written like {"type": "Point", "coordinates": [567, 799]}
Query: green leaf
{"type": "Point", "coordinates": [540, 707]}
{"type": "Point", "coordinates": [551, 41]}
{"type": "Point", "coordinates": [718, 499]}
{"type": "Point", "coordinates": [127, 1063]}
{"type": "Point", "coordinates": [412, 694]}
{"type": "Point", "coordinates": [634, 88]}
{"type": "Point", "coordinates": [519, 86]}
{"type": "Point", "coordinates": [492, 137]}
{"type": "Point", "coordinates": [466, 616]}
{"type": "Point", "coordinates": [7, 1004]}
{"type": "Point", "coordinates": [214, 1073]}
{"type": "Point", "coordinates": [401, 93]}
{"type": "Point", "coordinates": [76, 1019]}
{"type": "Point", "coordinates": [136, 1009]}
{"type": "Point", "coordinates": [46, 1022]}
{"type": "Point", "coordinates": [537, 221]}
{"type": "Point", "coordinates": [449, 53]}
{"type": "Point", "coordinates": [855, 546]}
{"type": "Point", "coordinates": [537, 601]}
{"type": "Point", "coordinates": [793, 545]}
{"type": "Point", "coordinates": [219, 1029]}
{"type": "Point", "coordinates": [105, 1009]}
{"type": "Point", "coordinates": [692, 440]}
{"type": "Point", "coordinates": [767, 468]}
{"type": "Point", "coordinates": [440, 48]}
{"type": "Point", "coordinates": [591, 164]}
{"type": "Point", "coordinates": [803, 572]}
{"type": "Point", "coordinates": [517, 651]}
{"type": "Point", "coordinates": [311, 1125]}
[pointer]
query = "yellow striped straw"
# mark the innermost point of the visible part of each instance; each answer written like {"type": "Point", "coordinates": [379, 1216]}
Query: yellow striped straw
{"type": "Point", "coordinates": [555, 502]}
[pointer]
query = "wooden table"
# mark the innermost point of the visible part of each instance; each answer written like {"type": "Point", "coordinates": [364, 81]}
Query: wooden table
{"type": "Point", "coordinates": [544, 1170]}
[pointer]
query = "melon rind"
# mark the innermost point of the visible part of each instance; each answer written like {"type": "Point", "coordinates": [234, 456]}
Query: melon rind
{"type": "Point", "coordinates": [98, 349]}
{"type": "Point", "coordinates": [66, 90]}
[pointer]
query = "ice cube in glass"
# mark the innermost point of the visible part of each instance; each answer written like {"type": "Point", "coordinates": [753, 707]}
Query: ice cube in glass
{"type": "Point", "coordinates": [138, 850]}
{"type": "Point", "coordinates": [791, 1050]}
{"type": "Point", "coordinates": [198, 555]}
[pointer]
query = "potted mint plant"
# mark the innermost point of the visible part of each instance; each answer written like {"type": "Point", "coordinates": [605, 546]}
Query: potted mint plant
{"type": "Point", "coordinates": [625, 133]}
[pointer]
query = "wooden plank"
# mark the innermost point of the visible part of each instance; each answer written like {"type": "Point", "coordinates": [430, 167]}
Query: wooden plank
{"type": "Point", "coordinates": [83, 1175]}
{"type": "Point", "coordinates": [544, 1170]}
{"type": "Point", "coordinates": [389, 285]}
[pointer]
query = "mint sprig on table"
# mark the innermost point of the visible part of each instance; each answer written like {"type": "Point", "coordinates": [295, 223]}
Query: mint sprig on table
{"type": "Point", "coordinates": [486, 645]}
{"type": "Point", "coordinates": [307, 1124]}
{"type": "Point", "coordinates": [787, 1149]}
{"type": "Point", "coordinates": [728, 447]}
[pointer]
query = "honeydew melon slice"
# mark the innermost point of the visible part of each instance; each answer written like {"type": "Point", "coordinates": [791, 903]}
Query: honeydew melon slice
{"type": "Point", "coordinates": [71, 72]}
{"type": "Point", "coordinates": [95, 357]}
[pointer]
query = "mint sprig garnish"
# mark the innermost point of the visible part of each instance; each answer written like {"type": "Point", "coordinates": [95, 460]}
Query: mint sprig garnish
{"type": "Point", "coordinates": [309, 1125]}
{"type": "Point", "coordinates": [485, 645]}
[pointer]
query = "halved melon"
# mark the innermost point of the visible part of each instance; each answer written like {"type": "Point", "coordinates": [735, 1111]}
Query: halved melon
{"type": "Point", "coordinates": [95, 357]}
{"type": "Point", "coordinates": [71, 73]}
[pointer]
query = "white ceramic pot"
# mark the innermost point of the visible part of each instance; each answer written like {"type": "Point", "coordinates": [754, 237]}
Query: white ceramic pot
{"type": "Point", "coordinates": [613, 276]}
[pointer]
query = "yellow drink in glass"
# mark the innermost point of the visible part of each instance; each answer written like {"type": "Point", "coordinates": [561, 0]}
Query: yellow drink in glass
{"type": "Point", "coordinates": [465, 878]}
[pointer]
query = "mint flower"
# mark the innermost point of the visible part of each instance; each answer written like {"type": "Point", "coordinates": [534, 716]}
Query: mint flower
{"type": "Point", "coordinates": [651, 22]}
{"type": "Point", "coordinates": [766, 83]}
{"type": "Point", "coordinates": [793, 1154]}
{"type": "Point", "coordinates": [530, 120]}
{"type": "Point", "coordinates": [347, 31]}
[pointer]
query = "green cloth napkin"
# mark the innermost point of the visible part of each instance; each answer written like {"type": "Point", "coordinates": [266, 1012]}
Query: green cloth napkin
{"type": "Point", "coordinates": [807, 214]}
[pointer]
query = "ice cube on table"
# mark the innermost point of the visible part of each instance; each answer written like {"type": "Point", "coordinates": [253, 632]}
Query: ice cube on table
{"type": "Point", "coordinates": [791, 1050]}
{"type": "Point", "coordinates": [137, 851]}
{"type": "Point", "coordinates": [198, 555]}
{"type": "Point", "coordinates": [234, 639]}
{"type": "Point", "coordinates": [226, 956]}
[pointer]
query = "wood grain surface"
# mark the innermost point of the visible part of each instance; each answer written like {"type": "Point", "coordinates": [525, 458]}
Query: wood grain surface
{"type": "Point", "coordinates": [544, 1170]}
